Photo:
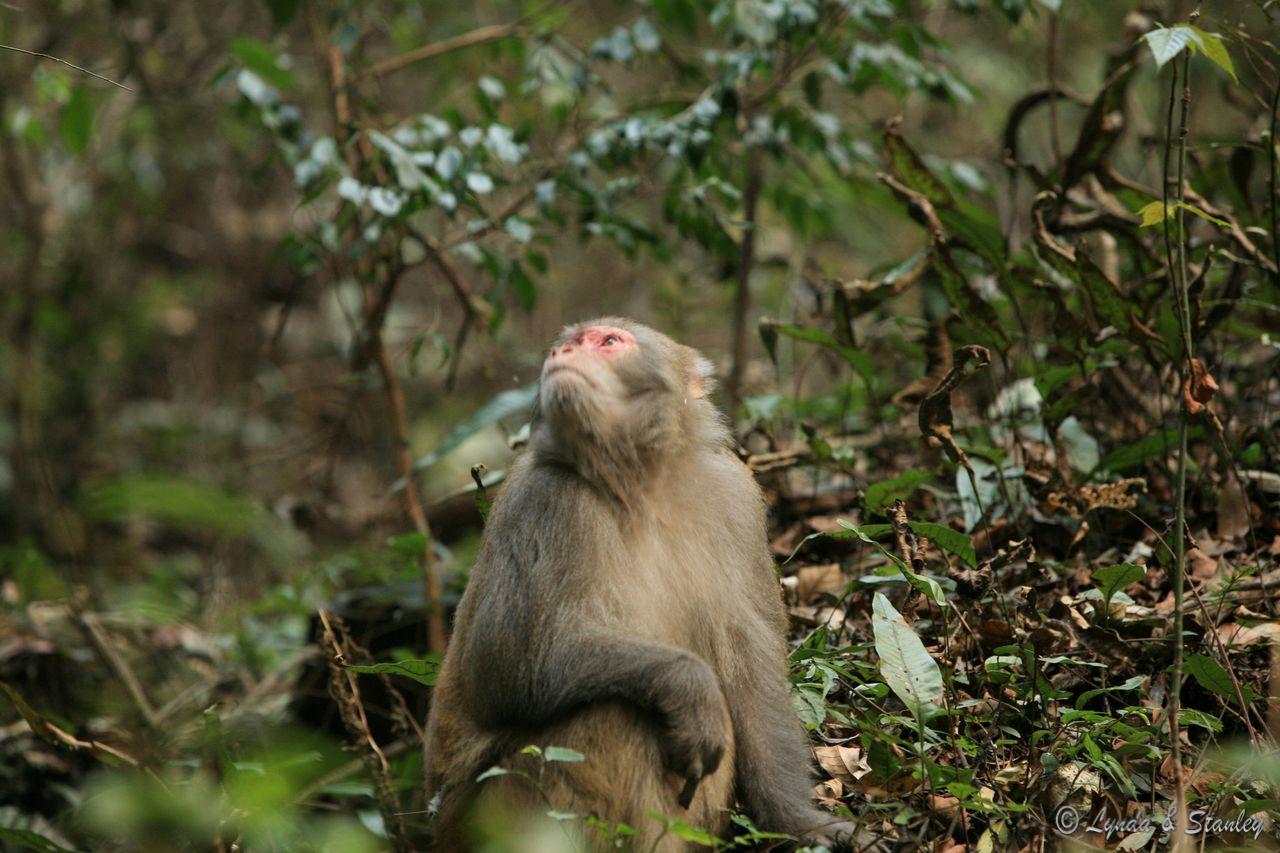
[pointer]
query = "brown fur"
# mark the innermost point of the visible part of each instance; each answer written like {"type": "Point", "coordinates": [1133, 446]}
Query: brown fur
{"type": "Point", "coordinates": [624, 605]}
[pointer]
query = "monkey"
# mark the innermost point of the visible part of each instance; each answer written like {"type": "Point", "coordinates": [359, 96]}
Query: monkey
{"type": "Point", "coordinates": [624, 605]}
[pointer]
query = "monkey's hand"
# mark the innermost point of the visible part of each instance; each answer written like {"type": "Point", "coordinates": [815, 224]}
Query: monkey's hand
{"type": "Point", "coordinates": [697, 729]}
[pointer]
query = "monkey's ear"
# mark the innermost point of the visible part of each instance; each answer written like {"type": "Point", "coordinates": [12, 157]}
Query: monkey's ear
{"type": "Point", "coordinates": [702, 377]}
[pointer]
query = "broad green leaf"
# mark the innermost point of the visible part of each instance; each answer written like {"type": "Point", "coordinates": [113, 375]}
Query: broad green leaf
{"type": "Point", "coordinates": [12, 838]}
{"type": "Point", "coordinates": [1191, 716]}
{"type": "Point", "coordinates": [907, 668]}
{"type": "Point", "coordinates": [880, 495]}
{"type": "Point", "coordinates": [259, 58]}
{"type": "Point", "coordinates": [1214, 47]}
{"type": "Point", "coordinates": [76, 124]}
{"type": "Point", "coordinates": [561, 753]}
{"type": "Point", "coordinates": [1155, 445]}
{"type": "Point", "coordinates": [1131, 684]}
{"type": "Point", "coordinates": [1167, 42]}
{"type": "Point", "coordinates": [423, 671]}
{"type": "Point", "coordinates": [282, 11]}
{"type": "Point", "coordinates": [810, 706]}
{"type": "Point", "coordinates": [973, 309]}
{"type": "Point", "coordinates": [912, 171]}
{"type": "Point", "coordinates": [1211, 676]}
{"type": "Point", "coordinates": [1154, 213]}
{"type": "Point", "coordinates": [501, 406]}
{"type": "Point", "coordinates": [949, 540]}
{"type": "Point", "coordinates": [861, 362]}
{"type": "Point", "coordinates": [926, 586]}
{"type": "Point", "coordinates": [174, 501]}
{"type": "Point", "coordinates": [1111, 579]}
{"type": "Point", "coordinates": [686, 832]}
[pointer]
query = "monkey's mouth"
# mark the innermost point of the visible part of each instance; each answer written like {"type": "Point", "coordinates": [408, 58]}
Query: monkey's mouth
{"type": "Point", "coordinates": [566, 368]}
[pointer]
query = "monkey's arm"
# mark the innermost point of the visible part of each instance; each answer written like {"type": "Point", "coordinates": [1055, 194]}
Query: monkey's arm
{"type": "Point", "coordinates": [581, 669]}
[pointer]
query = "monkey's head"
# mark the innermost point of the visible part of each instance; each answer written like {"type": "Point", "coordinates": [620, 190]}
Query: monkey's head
{"type": "Point", "coordinates": [615, 397]}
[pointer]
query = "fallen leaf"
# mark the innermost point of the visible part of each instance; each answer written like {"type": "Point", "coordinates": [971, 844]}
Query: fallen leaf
{"type": "Point", "coordinates": [846, 763]}
{"type": "Point", "coordinates": [814, 580]}
{"type": "Point", "coordinates": [1233, 509]}
{"type": "Point", "coordinates": [1244, 635]}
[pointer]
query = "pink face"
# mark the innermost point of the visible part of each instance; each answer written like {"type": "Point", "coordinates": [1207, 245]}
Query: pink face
{"type": "Point", "coordinates": [588, 351]}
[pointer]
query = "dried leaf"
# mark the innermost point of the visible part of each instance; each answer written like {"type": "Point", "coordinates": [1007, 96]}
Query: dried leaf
{"type": "Point", "coordinates": [1199, 388]}
{"type": "Point", "coordinates": [935, 412]}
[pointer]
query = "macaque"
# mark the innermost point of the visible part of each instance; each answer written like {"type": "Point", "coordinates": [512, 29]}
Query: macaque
{"type": "Point", "coordinates": [624, 605]}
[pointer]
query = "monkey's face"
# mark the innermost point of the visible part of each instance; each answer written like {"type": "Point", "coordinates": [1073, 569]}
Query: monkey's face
{"type": "Point", "coordinates": [584, 377]}
{"type": "Point", "coordinates": [615, 393]}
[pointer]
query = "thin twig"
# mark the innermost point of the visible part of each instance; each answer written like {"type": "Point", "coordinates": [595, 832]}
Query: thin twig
{"type": "Point", "coordinates": [1271, 175]}
{"type": "Point", "coordinates": [107, 649]}
{"type": "Point", "coordinates": [746, 260]}
{"type": "Point", "coordinates": [480, 35]}
{"type": "Point", "coordinates": [82, 70]}
{"type": "Point", "coordinates": [378, 281]}
{"type": "Point", "coordinates": [1179, 274]}
{"type": "Point", "coordinates": [346, 694]}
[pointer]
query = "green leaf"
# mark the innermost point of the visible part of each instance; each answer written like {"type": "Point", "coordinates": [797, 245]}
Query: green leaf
{"type": "Point", "coordinates": [910, 168]}
{"type": "Point", "coordinates": [1214, 47]}
{"type": "Point", "coordinates": [810, 706]}
{"type": "Point", "coordinates": [76, 125]}
{"type": "Point", "coordinates": [1211, 676]}
{"type": "Point", "coordinates": [686, 832]}
{"type": "Point", "coordinates": [561, 753]}
{"type": "Point", "coordinates": [282, 11]}
{"type": "Point", "coordinates": [1150, 213]}
{"type": "Point", "coordinates": [26, 839]}
{"type": "Point", "coordinates": [1167, 42]}
{"type": "Point", "coordinates": [501, 406]}
{"type": "Point", "coordinates": [1190, 716]}
{"type": "Point", "coordinates": [423, 671]}
{"type": "Point", "coordinates": [492, 772]}
{"type": "Point", "coordinates": [862, 363]}
{"type": "Point", "coordinates": [907, 668]}
{"type": "Point", "coordinates": [949, 540]}
{"type": "Point", "coordinates": [259, 58]}
{"type": "Point", "coordinates": [1191, 208]}
{"type": "Point", "coordinates": [880, 495]}
{"type": "Point", "coordinates": [1154, 213]}
{"type": "Point", "coordinates": [1157, 444]}
{"type": "Point", "coordinates": [1114, 578]}
{"type": "Point", "coordinates": [180, 503]}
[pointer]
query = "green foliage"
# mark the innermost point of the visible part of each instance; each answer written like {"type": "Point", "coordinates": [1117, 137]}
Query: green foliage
{"type": "Point", "coordinates": [1112, 579]}
{"type": "Point", "coordinates": [911, 673]}
{"type": "Point", "coordinates": [423, 671]}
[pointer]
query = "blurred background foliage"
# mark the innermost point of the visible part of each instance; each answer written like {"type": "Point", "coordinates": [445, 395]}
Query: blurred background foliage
{"type": "Point", "coordinates": [278, 273]}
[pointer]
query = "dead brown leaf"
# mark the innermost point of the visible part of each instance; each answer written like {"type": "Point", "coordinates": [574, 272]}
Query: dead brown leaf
{"type": "Point", "coordinates": [815, 580]}
{"type": "Point", "coordinates": [846, 763]}
{"type": "Point", "coordinates": [935, 412]}
{"type": "Point", "coordinates": [1199, 388]}
{"type": "Point", "coordinates": [1244, 635]}
{"type": "Point", "coordinates": [1233, 509]}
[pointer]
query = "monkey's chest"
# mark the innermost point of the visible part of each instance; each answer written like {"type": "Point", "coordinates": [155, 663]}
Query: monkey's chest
{"type": "Point", "coordinates": [676, 580]}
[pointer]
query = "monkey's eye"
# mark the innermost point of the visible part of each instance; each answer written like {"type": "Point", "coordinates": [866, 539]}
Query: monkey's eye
{"type": "Point", "coordinates": [610, 340]}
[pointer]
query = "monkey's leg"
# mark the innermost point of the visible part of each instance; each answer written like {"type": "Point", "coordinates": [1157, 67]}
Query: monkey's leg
{"type": "Point", "coordinates": [621, 780]}
{"type": "Point", "coordinates": [578, 670]}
